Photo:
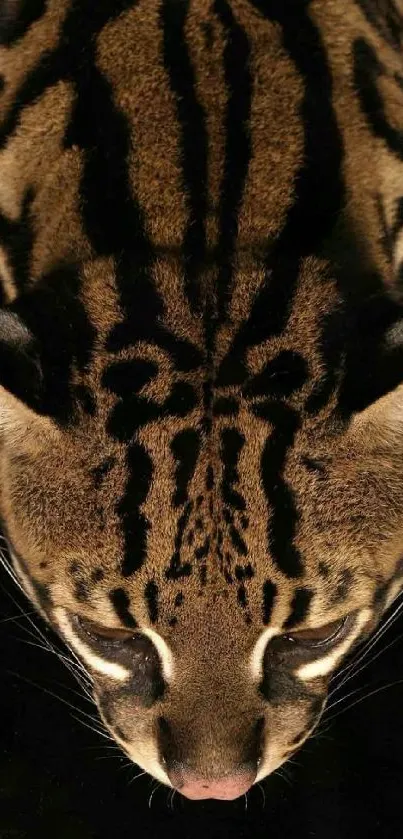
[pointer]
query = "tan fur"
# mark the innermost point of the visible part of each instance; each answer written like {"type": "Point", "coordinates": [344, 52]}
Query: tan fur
{"type": "Point", "coordinates": [54, 514]}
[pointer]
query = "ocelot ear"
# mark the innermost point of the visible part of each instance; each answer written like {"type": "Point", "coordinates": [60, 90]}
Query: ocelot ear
{"type": "Point", "coordinates": [378, 400]}
{"type": "Point", "coordinates": [21, 378]}
{"type": "Point", "coordinates": [373, 357]}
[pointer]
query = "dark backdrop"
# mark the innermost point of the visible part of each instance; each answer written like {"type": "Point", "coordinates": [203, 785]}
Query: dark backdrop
{"type": "Point", "coordinates": [59, 779]}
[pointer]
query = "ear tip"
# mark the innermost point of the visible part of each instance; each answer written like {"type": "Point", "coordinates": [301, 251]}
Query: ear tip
{"type": "Point", "coordinates": [13, 331]}
{"type": "Point", "coordinates": [20, 368]}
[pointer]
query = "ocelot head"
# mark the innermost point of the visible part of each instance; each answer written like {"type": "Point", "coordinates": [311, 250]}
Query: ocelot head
{"type": "Point", "coordinates": [201, 357]}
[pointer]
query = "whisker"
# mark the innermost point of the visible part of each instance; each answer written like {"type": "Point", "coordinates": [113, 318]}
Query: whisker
{"type": "Point", "coordinates": [350, 669]}
{"type": "Point", "coordinates": [158, 784]}
{"type": "Point", "coordinates": [260, 785]}
{"type": "Point", "coordinates": [367, 696]}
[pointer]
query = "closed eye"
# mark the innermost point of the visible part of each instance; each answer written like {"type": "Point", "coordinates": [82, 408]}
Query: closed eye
{"type": "Point", "coordinates": [104, 635]}
{"type": "Point", "coordinates": [315, 639]}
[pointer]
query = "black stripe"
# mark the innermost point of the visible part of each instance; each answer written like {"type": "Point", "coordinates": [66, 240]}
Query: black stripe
{"type": "Point", "coordinates": [151, 596]}
{"type": "Point", "coordinates": [367, 70]}
{"type": "Point", "coordinates": [269, 597]}
{"type": "Point", "coordinates": [134, 524]}
{"type": "Point", "coordinates": [385, 18]}
{"type": "Point", "coordinates": [232, 443]}
{"type": "Point", "coordinates": [121, 602]}
{"type": "Point", "coordinates": [185, 447]}
{"type": "Point", "coordinates": [111, 215]}
{"type": "Point", "coordinates": [177, 569]}
{"type": "Point", "coordinates": [283, 514]}
{"type": "Point", "coordinates": [69, 59]}
{"type": "Point", "coordinates": [319, 188]}
{"type": "Point", "coordinates": [299, 607]}
{"type": "Point", "coordinates": [194, 139]}
{"type": "Point", "coordinates": [238, 146]}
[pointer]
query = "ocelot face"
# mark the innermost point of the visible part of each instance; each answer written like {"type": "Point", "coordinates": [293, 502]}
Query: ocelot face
{"type": "Point", "coordinates": [210, 562]}
{"type": "Point", "coordinates": [201, 358]}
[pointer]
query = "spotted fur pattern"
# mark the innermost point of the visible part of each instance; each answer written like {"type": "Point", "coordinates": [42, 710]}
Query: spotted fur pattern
{"type": "Point", "coordinates": [201, 259]}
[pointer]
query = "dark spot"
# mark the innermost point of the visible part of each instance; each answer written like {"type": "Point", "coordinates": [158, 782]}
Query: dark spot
{"type": "Point", "coordinates": [179, 599]}
{"type": "Point", "coordinates": [245, 572]}
{"type": "Point", "coordinates": [151, 596]}
{"type": "Point", "coordinates": [323, 569]}
{"type": "Point", "coordinates": [209, 478]}
{"type": "Point", "coordinates": [242, 597]}
{"type": "Point", "coordinates": [173, 621]}
{"type": "Point", "coordinates": [343, 585]}
{"type": "Point", "coordinates": [97, 575]}
{"type": "Point", "coordinates": [81, 591]}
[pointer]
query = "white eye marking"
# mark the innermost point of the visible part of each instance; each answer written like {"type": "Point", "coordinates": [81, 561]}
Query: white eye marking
{"type": "Point", "coordinates": [256, 659]}
{"type": "Point", "coordinates": [163, 650]}
{"type": "Point", "coordinates": [394, 591]}
{"type": "Point", "coordinates": [323, 666]}
{"type": "Point", "coordinates": [95, 662]}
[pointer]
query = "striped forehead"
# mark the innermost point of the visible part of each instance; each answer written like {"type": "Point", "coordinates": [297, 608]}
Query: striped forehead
{"type": "Point", "coordinates": [208, 370]}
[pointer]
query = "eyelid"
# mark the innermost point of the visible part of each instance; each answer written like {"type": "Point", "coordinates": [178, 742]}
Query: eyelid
{"type": "Point", "coordinates": [324, 642]}
{"type": "Point", "coordinates": [85, 626]}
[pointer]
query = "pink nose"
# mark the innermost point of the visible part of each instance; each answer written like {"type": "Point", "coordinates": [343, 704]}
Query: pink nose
{"type": "Point", "coordinates": [226, 789]}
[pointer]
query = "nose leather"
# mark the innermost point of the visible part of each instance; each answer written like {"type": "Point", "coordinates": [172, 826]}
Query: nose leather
{"type": "Point", "coordinates": [226, 788]}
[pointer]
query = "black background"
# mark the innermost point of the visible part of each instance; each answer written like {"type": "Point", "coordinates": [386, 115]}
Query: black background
{"type": "Point", "coordinates": [61, 780]}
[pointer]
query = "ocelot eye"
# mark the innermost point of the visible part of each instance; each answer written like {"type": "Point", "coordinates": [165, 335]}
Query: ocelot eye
{"type": "Point", "coordinates": [312, 639]}
{"type": "Point", "coordinates": [317, 636]}
{"type": "Point", "coordinates": [103, 634]}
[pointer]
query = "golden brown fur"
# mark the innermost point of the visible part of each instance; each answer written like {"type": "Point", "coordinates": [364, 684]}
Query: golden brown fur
{"type": "Point", "coordinates": [341, 470]}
